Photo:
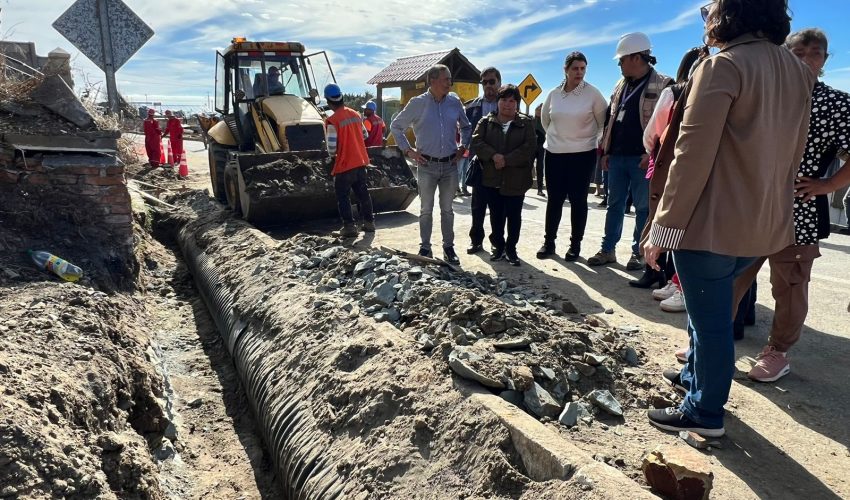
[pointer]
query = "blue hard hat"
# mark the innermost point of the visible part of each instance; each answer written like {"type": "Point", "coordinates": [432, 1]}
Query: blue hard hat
{"type": "Point", "coordinates": [371, 105]}
{"type": "Point", "coordinates": [333, 92]}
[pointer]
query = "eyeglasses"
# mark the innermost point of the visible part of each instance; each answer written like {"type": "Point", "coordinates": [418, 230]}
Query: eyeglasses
{"type": "Point", "coordinates": [489, 81]}
{"type": "Point", "coordinates": [705, 10]}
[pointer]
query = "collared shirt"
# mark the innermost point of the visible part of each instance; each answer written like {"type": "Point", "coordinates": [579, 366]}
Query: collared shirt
{"type": "Point", "coordinates": [829, 137]}
{"type": "Point", "coordinates": [435, 124]}
{"type": "Point", "coordinates": [488, 107]}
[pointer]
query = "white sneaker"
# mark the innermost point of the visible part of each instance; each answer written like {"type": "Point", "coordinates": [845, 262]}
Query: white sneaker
{"type": "Point", "coordinates": [666, 292]}
{"type": "Point", "coordinates": [675, 303]}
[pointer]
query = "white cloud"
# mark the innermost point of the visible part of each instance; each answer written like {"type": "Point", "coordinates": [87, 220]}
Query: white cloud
{"type": "Point", "coordinates": [370, 34]}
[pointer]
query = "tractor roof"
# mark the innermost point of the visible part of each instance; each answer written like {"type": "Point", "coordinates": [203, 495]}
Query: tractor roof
{"type": "Point", "coordinates": [242, 45]}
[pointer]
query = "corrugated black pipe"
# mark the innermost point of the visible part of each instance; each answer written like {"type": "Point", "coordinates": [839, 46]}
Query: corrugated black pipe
{"type": "Point", "coordinates": [287, 430]}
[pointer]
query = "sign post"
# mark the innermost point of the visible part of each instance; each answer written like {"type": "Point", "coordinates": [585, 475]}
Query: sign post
{"type": "Point", "coordinates": [107, 32]}
{"type": "Point", "coordinates": [108, 64]}
{"type": "Point", "coordinates": [529, 90]}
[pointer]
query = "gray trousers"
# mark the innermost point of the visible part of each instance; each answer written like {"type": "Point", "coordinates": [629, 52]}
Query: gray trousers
{"type": "Point", "coordinates": [433, 175]}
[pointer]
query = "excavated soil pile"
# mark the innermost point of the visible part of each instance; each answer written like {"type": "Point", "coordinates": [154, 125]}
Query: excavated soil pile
{"type": "Point", "coordinates": [311, 174]}
{"type": "Point", "coordinates": [78, 393]}
{"type": "Point", "coordinates": [507, 338]}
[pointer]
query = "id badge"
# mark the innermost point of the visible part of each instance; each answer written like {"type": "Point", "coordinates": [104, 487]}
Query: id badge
{"type": "Point", "coordinates": [621, 115]}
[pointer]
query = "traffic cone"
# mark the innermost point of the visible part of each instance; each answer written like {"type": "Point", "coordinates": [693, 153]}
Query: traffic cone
{"type": "Point", "coordinates": [184, 166]}
{"type": "Point", "coordinates": [170, 155]}
{"type": "Point", "coordinates": [161, 153]}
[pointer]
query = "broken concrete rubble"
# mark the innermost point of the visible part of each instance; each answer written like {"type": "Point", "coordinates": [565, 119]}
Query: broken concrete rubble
{"type": "Point", "coordinates": [55, 95]}
{"type": "Point", "coordinates": [486, 329]}
{"type": "Point", "coordinates": [603, 399]}
{"type": "Point", "coordinates": [678, 472]}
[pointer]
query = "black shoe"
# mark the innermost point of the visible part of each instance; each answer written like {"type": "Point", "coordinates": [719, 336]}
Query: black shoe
{"type": "Point", "coordinates": [541, 193]}
{"type": "Point", "coordinates": [604, 202]}
{"type": "Point", "coordinates": [425, 252]}
{"type": "Point", "coordinates": [512, 257]}
{"type": "Point", "coordinates": [450, 255]}
{"type": "Point", "coordinates": [497, 254]}
{"type": "Point", "coordinates": [672, 419]}
{"type": "Point", "coordinates": [673, 378]}
{"type": "Point", "coordinates": [572, 253]}
{"type": "Point", "coordinates": [548, 249]}
{"type": "Point", "coordinates": [474, 248]}
{"type": "Point", "coordinates": [465, 192]}
{"type": "Point", "coordinates": [650, 277]}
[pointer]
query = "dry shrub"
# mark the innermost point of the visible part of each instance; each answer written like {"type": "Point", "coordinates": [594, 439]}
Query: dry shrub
{"type": "Point", "coordinates": [16, 89]}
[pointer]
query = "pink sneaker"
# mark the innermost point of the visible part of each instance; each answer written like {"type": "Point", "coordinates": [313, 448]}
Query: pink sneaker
{"type": "Point", "coordinates": [771, 366]}
{"type": "Point", "coordinates": [681, 355]}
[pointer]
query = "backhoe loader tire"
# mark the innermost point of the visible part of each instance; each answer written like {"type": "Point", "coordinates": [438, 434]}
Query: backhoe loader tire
{"type": "Point", "coordinates": [217, 159]}
{"type": "Point", "coordinates": [231, 188]}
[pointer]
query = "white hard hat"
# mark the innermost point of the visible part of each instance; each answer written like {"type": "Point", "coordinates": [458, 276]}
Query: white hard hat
{"type": "Point", "coordinates": [632, 43]}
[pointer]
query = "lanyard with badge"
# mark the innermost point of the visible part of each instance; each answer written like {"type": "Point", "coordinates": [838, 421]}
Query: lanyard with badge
{"type": "Point", "coordinates": [621, 109]}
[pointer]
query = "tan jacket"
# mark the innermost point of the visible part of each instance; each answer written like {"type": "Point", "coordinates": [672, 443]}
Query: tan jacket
{"type": "Point", "coordinates": [741, 140]}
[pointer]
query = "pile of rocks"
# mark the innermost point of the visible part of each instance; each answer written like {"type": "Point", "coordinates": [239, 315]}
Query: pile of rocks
{"type": "Point", "coordinates": [511, 339]}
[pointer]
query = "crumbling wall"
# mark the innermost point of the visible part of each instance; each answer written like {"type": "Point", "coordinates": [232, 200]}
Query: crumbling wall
{"type": "Point", "coordinates": [74, 205]}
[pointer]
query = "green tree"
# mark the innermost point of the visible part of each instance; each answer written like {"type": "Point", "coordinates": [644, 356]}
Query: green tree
{"type": "Point", "coordinates": [356, 101]}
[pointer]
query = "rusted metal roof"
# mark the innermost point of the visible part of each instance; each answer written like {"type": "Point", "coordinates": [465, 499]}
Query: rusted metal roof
{"type": "Point", "coordinates": [413, 68]}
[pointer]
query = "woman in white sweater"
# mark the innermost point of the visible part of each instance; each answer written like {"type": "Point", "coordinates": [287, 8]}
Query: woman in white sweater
{"type": "Point", "coordinates": [574, 116]}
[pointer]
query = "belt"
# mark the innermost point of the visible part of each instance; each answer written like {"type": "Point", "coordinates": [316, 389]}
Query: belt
{"type": "Point", "coordinates": [434, 159]}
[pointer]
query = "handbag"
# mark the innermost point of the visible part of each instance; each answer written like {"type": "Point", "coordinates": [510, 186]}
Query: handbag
{"type": "Point", "coordinates": [474, 173]}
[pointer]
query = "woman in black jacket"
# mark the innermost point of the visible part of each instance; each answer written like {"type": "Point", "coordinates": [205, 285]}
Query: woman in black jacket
{"type": "Point", "coordinates": [505, 143]}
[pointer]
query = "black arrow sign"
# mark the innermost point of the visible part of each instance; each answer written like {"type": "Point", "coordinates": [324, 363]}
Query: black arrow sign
{"type": "Point", "coordinates": [531, 87]}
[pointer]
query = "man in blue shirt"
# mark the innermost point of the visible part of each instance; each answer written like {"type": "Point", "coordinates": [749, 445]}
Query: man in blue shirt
{"type": "Point", "coordinates": [435, 117]}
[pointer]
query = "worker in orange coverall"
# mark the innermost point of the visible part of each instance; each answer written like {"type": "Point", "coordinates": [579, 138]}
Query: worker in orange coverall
{"type": "Point", "coordinates": [174, 130]}
{"type": "Point", "coordinates": [153, 139]}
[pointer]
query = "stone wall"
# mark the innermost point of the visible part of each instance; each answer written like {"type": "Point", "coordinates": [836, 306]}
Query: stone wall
{"type": "Point", "coordinates": [76, 204]}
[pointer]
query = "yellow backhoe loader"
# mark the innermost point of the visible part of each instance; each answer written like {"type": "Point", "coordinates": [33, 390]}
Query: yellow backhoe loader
{"type": "Point", "coordinates": [268, 156]}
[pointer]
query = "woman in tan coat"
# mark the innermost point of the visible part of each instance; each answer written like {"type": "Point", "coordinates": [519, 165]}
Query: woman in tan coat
{"type": "Point", "coordinates": [726, 198]}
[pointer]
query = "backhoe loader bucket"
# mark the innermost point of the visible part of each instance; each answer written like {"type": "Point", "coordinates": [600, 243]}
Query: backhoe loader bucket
{"type": "Point", "coordinates": [280, 188]}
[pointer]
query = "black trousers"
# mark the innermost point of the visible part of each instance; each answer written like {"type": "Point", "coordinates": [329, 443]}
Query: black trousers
{"type": "Point", "coordinates": [344, 183]}
{"type": "Point", "coordinates": [539, 161]}
{"type": "Point", "coordinates": [478, 207]}
{"type": "Point", "coordinates": [503, 210]}
{"type": "Point", "coordinates": [568, 177]}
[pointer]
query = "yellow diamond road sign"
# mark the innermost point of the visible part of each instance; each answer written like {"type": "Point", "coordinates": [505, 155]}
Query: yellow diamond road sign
{"type": "Point", "coordinates": [529, 89]}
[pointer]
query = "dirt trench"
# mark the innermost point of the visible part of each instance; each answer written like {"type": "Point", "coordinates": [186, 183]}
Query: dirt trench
{"type": "Point", "coordinates": [119, 395]}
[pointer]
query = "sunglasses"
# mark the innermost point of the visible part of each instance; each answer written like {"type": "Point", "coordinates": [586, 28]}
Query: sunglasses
{"type": "Point", "coordinates": [489, 81]}
{"type": "Point", "coordinates": [704, 11]}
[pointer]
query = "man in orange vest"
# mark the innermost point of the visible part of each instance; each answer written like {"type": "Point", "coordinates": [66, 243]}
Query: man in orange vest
{"type": "Point", "coordinates": [174, 129]}
{"type": "Point", "coordinates": [346, 134]}
{"type": "Point", "coordinates": [374, 125]}
{"type": "Point", "coordinates": [153, 139]}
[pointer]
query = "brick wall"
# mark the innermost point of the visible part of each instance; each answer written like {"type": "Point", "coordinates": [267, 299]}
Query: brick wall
{"type": "Point", "coordinates": [76, 203]}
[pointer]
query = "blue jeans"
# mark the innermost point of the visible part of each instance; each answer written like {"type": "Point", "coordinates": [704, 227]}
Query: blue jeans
{"type": "Point", "coordinates": [430, 176]}
{"type": "Point", "coordinates": [625, 174]}
{"type": "Point", "coordinates": [462, 167]}
{"type": "Point", "coordinates": [707, 284]}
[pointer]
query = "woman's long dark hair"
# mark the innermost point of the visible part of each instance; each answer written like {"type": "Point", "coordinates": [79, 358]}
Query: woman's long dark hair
{"type": "Point", "coordinates": [730, 19]}
{"type": "Point", "coordinates": [688, 60]}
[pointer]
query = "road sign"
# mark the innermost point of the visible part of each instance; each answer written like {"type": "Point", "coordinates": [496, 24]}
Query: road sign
{"type": "Point", "coordinates": [529, 89]}
{"type": "Point", "coordinates": [107, 32]}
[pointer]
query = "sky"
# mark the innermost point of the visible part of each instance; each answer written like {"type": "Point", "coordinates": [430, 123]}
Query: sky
{"type": "Point", "coordinates": [177, 65]}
